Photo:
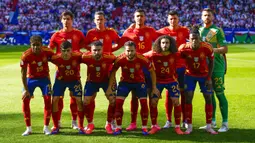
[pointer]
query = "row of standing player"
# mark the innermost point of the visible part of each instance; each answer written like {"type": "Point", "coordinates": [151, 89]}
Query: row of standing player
{"type": "Point", "coordinates": [140, 34]}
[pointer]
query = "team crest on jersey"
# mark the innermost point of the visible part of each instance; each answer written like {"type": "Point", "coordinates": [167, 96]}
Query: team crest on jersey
{"type": "Point", "coordinates": [98, 68]}
{"type": "Point", "coordinates": [69, 40]}
{"type": "Point", "coordinates": [101, 40]}
{"type": "Point", "coordinates": [196, 59]}
{"type": "Point", "coordinates": [39, 63]}
{"type": "Point", "coordinates": [74, 63]}
{"type": "Point", "coordinates": [141, 38]}
{"type": "Point", "coordinates": [68, 67]}
{"type": "Point", "coordinates": [202, 55]}
{"type": "Point", "coordinates": [143, 86]}
{"type": "Point", "coordinates": [137, 66]}
{"type": "Point", "coordinates": [103, 65]}
{"type": "Point", "coordinates": [33, 62]}
{"type": "Point", "coordinates": [132, 70]}
{"type": "Point", "coordinates": [165, 64]}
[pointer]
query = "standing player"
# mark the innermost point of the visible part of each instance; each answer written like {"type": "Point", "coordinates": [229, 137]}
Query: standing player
{"type": "Point", "coordinates": [67, 75]}
{"type": "Point", "coordinates": [164, 57]}
{"type": "Point", "coordinates": [107, 36]}
{"type": "Point", "coordinates": [143, 36]}
{"type": "Point", "coordinates": [77, 39]}
{"type": "Point", "coordinates": [35, 73]}
{"type": "Point", "coordinates": [98, 70]}
{"type": "Point", "coordinates": [180, 34]}
{"type": "Point", "coordinates": [196, 54]}
{"type": "Point", "coordinates": [132, 79]}
{"type": "Point", "coordinates": [215, 36]}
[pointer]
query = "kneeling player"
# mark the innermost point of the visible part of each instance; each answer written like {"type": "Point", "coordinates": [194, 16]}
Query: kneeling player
{"type": "Point", "coordinates": [67, 75]}
{"type": "Point", "coordinates": [132, 79]}
{"type": "Point", "coordinates": [37, 75]}
{"type": "Point", "coordinates": [98, 69]}
{"type": "Point", "coordinates": [163, 56]}
{"type": "Point", "coordinates": [196, 54]}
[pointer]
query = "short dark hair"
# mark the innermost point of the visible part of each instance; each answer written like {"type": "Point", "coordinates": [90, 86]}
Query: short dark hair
{"type": "Point", "coordinates": [172, 12]}
{"type": "Point", "coordinates": [96, 43]}
{"type": "Point", "coordinates": [36, 38]}
{"type": "Point", "coordinates": [208, 10]}
{"type": "Point", "coordinates": [157, 48]}
{"type": "Point", "coordinates": [65, 45]}
{"type": "Point", "coordinates": [140, 11]}
{"type": "Point", "coordinates": [195, 30]}
{"type": "Point", "coordinates": [100, 13]}
{"type": "Point", "coordinates": [130, 43]}
{"type": "Point", "coordinates": [65, 13]}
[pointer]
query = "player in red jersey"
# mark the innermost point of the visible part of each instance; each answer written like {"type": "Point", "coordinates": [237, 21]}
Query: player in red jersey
{"type": "Point", "coordinates": [76, 37]}
{"type": "Point", "coordinates": [106, 35]}
{"type": "Point", "coordinates": [180, 34]}
{"type": "Point", "coordinates": [67, 75]}
{"type": "Point", "coordinates": [35, 73]}
{"type": "Point", "coordinates": [132, 79]}
{"type": "Point", "coordinates": [196, 53]}
{"type": "Point", "coordinates": [143, 36]}
{"type": "Point", "coordinates": [164, 57]}
{"type": "Point", "coordinates": [99, 65]}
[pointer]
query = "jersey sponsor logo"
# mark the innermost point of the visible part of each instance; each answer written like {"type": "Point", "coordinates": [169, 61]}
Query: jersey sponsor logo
{"type": "Point", "coordinates": [132, 70]}
{"type": "Point", "coordinates": [91, 65]}
{"type": "Point", "coordinates": [98, 68]}
{"type": "Point", "coordinates": [39, 63]}
{"type": "Point", "coordinates": [196, 59]}
{"type": "Point", "coordinates": [141, 38]}
{"type": "Point", "coordinates": [125, 67]}
{"type": "Point", "coordinates": [68, 67]}
{"type": "Point", "coordinates": [61, 66]}
{"type": "Point", "coordinates": [137, 66]}
{"type": "Point", "coordinates": [95, 38]}
{"type": "Point", "coordinates": [165, 64]}
{"type": "Point", "coordinates": [33, 62]}
{"type": "Point", "coordinates": [103, 65]}
{"type": "Point", "coordinates": [159, 61]}
{"type": "Point", "coordinates": [202, 55]}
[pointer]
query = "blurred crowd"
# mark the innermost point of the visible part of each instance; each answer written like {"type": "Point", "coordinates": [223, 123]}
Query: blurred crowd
{"type": "Point", "coordinates": [44, 15]}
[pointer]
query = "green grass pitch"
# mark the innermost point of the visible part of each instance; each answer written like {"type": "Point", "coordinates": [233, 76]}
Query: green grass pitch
{"type": "Point", "coordinates": [240, 91]}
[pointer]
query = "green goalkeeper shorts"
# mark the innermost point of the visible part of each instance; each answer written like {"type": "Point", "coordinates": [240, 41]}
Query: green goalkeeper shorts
{"type": "Point", "coordinates": [218, 81]}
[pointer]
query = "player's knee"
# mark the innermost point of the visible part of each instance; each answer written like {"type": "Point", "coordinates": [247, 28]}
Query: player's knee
{"type": "Point", "coordinates": [175, 102]}
{"type": "Point", "coordinates": [86, 101]}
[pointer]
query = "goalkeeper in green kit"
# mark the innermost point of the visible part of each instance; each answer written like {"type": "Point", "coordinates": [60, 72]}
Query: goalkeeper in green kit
{"type": "Point", "coordinates": [215, 36]}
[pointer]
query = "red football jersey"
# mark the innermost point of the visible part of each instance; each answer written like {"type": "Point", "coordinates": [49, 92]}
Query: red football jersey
{"type": "Point", "coordinates": [181, 34]}
{"type": "Point", "coordinates": [131, 71]}
{"type": "Point", "coordinates": [196, 59]}
{"type": "Point", "coordinates": [165, 66]}
{"type": "Point", "coordinates": [67, 70]}
{"type": "Point", "coordinates": [98, 71]}
{"type": "Point", "coordinates": [107, 37]}
{"type": "Point", "coordinates": [143, 38]}
{"type": "Point", "coordinates": [37, 64]}
{"type": "Point", "coordinates": [76, 37]}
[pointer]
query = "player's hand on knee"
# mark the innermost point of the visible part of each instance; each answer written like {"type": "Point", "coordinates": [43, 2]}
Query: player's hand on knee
{"type": "Point", "coordinates": [208, 84]}
{"type": "Point", "coordinates": [156, 92]}
{"type": "Point", "coordinates": [25, 94]}
{"type": "Point", "coordinates": [109, 92]}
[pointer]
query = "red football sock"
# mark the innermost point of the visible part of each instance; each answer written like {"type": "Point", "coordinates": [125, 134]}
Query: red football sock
{"type": "Point", "coordinates": [177, 114]}
{"type": "Point", "coordinates": [86, 110]}
{"type": "Point", "coordinates": [92, 110]}
{"type": "Point", "coordinates": [188, 114]}
{"type": "Point", "coordinates": [183, 105]}
{"type": "Point", "coordinates": [80, 119]}
{"type": "Point", "coordinates": [119, 111]}
{"type": "Point", "coordinates": [47, 109]}
{"type": "Point", "coordinates": [169, 107]}
{"type": "Point", "coordinates": [110, 113]}
{"type": "Point", "coordinates": [60, 107]}
{"type": "Point", "coordinates": [134, 109]}
{"type": "Point", "coordinates": [55, 119]}
{"type": "Point", "coordinates": [153, 114]}
{"type": "Point", "coordinates": [208, 112]}
{"type": "Point", "coordinates": [144, 111]}
{"type": "Point", "coordinates": [73, 107]}
{"type": "Point", "coordinates": [26, 111]}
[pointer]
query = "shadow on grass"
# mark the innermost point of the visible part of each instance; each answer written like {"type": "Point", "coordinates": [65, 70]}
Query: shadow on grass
{"type": "Point", "coordinates": [14, 125]}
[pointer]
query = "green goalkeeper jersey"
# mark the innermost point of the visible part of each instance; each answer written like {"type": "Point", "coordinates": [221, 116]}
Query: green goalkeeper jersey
{"type": "Point", "coordinates": [215, 36]}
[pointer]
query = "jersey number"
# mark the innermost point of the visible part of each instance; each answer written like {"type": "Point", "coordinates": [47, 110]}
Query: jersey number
{"type": "Point", "coordinates": [39, 69]}
{"type": "Point", "coordinates": [196, 65]}
{"type": "Point", "coordinates": [165, 70]}
{"type": "Point", "coordinates": [97, 74]}
{"type": "Point", "coordinates": [69, 72]}
{"type": "Point", "coordinates": [141, 45]}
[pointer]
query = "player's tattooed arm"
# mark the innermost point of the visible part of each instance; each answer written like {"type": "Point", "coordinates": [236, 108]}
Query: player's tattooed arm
{"type": "Point", "coordinates": [24, 82]}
